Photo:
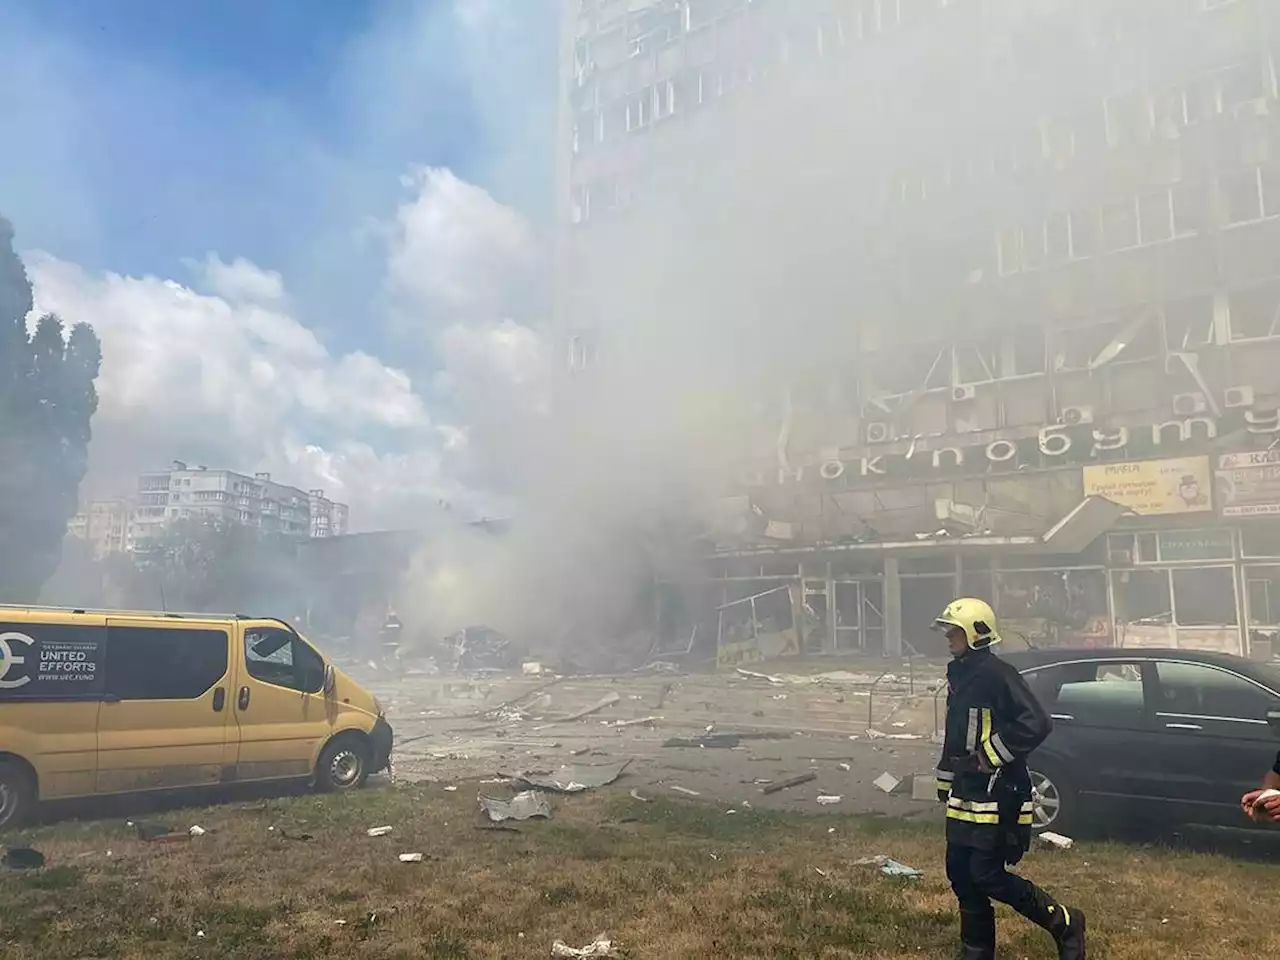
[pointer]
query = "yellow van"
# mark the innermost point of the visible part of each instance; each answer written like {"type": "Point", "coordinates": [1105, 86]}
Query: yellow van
{"type": "Point", "coordinates": [105, 702]}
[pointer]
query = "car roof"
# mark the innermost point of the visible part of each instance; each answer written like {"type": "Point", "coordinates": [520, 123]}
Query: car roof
{"type": "Point", "coordinates": [1026, 659]}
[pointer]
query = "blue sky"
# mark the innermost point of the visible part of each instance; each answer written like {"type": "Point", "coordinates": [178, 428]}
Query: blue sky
{"type": "Point", "coordinates": [135, 134]}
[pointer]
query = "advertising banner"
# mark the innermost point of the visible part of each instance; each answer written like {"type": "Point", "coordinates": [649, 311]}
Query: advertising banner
{"type": "Point", "coordinates": [1249, 484]}
{"type": "Point", "coordinates": [1152, 488]}
{"type": "Point", "coordinates": [47, 660]}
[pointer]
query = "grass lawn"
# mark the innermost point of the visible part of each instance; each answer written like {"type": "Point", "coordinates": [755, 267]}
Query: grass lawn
{"type": "Point", "coordinates": [665, 879]}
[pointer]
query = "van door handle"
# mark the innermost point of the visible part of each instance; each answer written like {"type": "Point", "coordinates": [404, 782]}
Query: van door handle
{"type": "Point", "coordinates": [1183, 726]}
{"type": "Point", "coordinates": [243, 700]}
{"type": "Point", "coordinates": [219, 699]}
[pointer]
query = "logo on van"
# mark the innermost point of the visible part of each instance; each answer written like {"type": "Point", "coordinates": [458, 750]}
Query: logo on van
{"type": "Point", "coordinates": [9, 659]}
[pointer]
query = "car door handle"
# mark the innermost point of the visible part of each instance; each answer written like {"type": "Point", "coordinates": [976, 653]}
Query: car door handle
{"type": "Point", "coordinates": [219, 700]}
{"type": "Point", "coordinates": [243, 700]}
{"type": "Point", "coordinates": [1183, 726]}
{"type": "Point", "coordinates": [1061, 716]}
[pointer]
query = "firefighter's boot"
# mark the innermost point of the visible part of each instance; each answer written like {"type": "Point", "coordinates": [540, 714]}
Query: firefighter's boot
{"type": "Point", "coordinates": [1066, 925]}
{"type": "Point", "coordinates": [977, 934]}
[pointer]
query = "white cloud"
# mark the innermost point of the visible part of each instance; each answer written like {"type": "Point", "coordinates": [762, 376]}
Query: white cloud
{"type": "Point", "coordinates": [456, 251]}
{"type": "Point", "coordinates": [235, 384]}
{"type": "Point", "coordinates": [240, 281]}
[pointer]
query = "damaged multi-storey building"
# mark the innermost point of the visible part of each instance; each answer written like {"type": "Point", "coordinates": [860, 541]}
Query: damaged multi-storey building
{"type": "Point", "coordinates": [1049, 272]}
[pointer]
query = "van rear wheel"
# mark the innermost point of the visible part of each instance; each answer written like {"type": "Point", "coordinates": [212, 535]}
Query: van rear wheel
{"type": "Point", "coordinates": [344, 765]}
{"type": "Point", "coordinates": [17, 795]}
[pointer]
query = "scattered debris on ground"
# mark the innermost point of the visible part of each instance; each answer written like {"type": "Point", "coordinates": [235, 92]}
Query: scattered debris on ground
{"type": "Point", "coordinates": [685, 790]}
{"type": "Point", "coordinates": [411, 858]}
{"type": "Point", "coordinates": [600, 947]}
{"type": "Point", "coordinates": [574, 778]}
{"type": "Point", "coordinates": [827, 799]}
{"type": "Point", "coordinates": [886, 782]}
{"type": "Point", "coordinates": [789, 783]}
{"type": "Point", "coordinates": [378, 831]}
{"type": "Point", "coordinates": [526, 805]}
{"type": "Point", "coordinates": [1055, 840]}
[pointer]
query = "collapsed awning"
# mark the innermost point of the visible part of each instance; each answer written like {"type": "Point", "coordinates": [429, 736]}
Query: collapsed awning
{"type": "Point", "coordinates": [1082, 525]}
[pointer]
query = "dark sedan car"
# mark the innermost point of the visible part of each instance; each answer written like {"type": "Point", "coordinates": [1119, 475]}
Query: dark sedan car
{"type": "Point", "coordinates": [1175, 736]}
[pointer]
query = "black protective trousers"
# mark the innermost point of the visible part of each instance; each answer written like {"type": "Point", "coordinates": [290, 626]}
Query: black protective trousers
{"type": "Point", "coordinates": [979, 876]}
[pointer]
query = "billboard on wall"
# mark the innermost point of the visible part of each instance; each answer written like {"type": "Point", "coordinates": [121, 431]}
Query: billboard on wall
{"type": "Point", "coordinates": [1153, 488]}
{"type": "Point", "coordinates": [1249, 484]}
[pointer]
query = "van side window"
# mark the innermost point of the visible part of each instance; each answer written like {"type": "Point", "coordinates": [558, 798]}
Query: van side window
{"type": "Point", "coordinates": [274, 655]}
{"type": "Point", "coordinates": [164, 663]}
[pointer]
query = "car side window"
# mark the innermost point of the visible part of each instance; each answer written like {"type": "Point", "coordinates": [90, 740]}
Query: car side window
{"type": "Point", "coordinates": [164, 663]}
{"type": "Point", "coordinates": [278, 657]}
{"type": "Point", "coordinates": [1096, 694]}
{"type": "Point", "coordinates": [1199, 690]}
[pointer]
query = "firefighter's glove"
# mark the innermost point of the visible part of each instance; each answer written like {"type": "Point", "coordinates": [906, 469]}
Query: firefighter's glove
{"type": "Point", "coordinates": [972, 763]}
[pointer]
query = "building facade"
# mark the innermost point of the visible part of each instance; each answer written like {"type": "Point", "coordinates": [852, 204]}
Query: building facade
{"type": "Point", "coordinates": [1046, 282]}
{"type": "Point", "coordinates": [224, 496]}
{"type": "Point", "coordinates": [104, 524]}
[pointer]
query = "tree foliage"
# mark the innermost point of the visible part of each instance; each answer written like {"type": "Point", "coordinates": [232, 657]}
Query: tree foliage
{"type": "Point", "coordinates": [222, 568]}
{"type": "Point", "coordinates": [47, 401]}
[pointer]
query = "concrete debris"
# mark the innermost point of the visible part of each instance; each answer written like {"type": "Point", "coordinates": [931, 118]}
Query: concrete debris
{"type": "Point", "coordinates": [532, 669]}
{"type": "Point", "coordinates": [527, 805]}
{"type": "Point", "coordinates": [788, 784]}
{"type": "Point", "coordinates": [685, 790]}
{"type": "Point", "coordinates": [822, 873]}
{"type": "Point", "coordinates": [924, 787]}
{"type": "Point", "coordinates": [575, 778]}
{"type": "Point", "coordinates": [197, 831]}
{"type": "Point", "coordinates": [1055, 840]}
{"type": "Point", "coordinates": [635, 795]}
{"type": "Point", "coordinates": [605, 701]}
{"type": "Point", "coordinates": [828, 799]}
{"type": "Point", "coordinates": [378, 831]}
{"type": "Point", "coordinates": [637, 722]}
{"type": "Point", "coordinates": [600, 947]}
{"type": "Point", "coordinates": [451, 789]}
{"type": "Point", "coordinates": [411, 858]}
{"type": "Point", "coordinates": [889, 867]}
{"type": "Point", "coordinates": [753, 675]}
{"type": "Point", "coordinates": [726, 741]}
{"type": "Point", "coordinates": [874, 734]}
{"type": "Point", "coordinates": [886, 782]}
{"type": "Point", "coordinates": [845, 767]}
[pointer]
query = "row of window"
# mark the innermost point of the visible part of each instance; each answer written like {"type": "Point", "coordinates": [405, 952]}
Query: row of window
{"type": "Point", "coordinates": [1250, 196]}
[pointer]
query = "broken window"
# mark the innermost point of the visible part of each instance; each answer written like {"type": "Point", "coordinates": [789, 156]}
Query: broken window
{"type": "Point", "coordinates": [1143, 596]}
{"type": "Point", "coordinates": [908, 370]}
{"type": "Point", "coordinates": [1120, 225]}
{"type": "Point", "coordinates": [1155, 217]}
{"type": "Point", "coordinates": [977, 362]}
{"type": "Point", "coordinates": [1255, 312]}
{"type": "Point", "coordinates": [1241, 197]}
{"type": "Point", "coordinates": [1189, 323]}
{"type": "Point", "coordinates": [1260, 539]}
{"type": "Point", "coordinates": [1057, 238]}
{"type": "Point", "coordinates": [640, 110]}
{"type": "Point", "coordinates": [1065, 598]}
{"type": "Point", "coordinates": [1009, 251]}
{"type": "Point", "coordinates": [1085, 239]}
{"type": "Point", "coordinates": [1128, 118]}
{"type": "Point", "coordinates": [1089, 345]}
{"type": "Point", "coordinates": [1262, 592]}
{"type": "Point", "coordinates": [1204, 597]}
{"type": "Point", "coordinates": [1187, 203]}
{"type": "Point", "coordinates": [664, 99]}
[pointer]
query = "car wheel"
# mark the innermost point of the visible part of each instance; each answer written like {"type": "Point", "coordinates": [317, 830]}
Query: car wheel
{"type": "Point", "coordinates": [1053, 801]}
{"type": "Point", "coordinates": [17, 795]}
{"type": "Point", "coordinates": [344, 765]}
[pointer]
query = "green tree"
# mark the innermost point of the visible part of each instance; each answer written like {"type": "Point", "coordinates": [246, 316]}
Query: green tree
{"type": "Point", "coordinates": [47, 400]}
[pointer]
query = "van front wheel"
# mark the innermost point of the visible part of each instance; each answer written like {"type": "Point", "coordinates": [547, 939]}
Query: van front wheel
{"type": "Point", "coordinates": [17, 795]}
{"type": "Point", "coordinates": [344, 765]}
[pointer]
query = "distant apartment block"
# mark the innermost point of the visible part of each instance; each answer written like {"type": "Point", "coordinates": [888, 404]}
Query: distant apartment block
{"type": "Point", "coordinates": [104, 524]}
{"type": "Point", "coordinates": [185, 492]}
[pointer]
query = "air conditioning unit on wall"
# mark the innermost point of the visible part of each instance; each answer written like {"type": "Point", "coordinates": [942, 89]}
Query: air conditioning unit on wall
{"type": "Point", "coordinates": [1074, 416]}
{"type": "Point", "coordinates": [1238, 398]}
{"type": "Point", "coordinates": [879, 432]}
{"type": "Point", "coordinates": [963, 392]}
{"type": "Point", "coordinates": [1189, 404]}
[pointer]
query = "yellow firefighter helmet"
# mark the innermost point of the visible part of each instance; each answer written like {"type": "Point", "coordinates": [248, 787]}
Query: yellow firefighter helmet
{"type": "Point", "coordinates": [975, 617]}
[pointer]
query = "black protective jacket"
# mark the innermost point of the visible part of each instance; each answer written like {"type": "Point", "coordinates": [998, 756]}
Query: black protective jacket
{"type": "Point", "coordinates": [993, 722]}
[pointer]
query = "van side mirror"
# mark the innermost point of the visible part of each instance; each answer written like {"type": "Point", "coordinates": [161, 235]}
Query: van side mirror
{"type": "Point", "coordinates": [330, 681]}
{"type": "Point", "coordinates": [1273, 718]}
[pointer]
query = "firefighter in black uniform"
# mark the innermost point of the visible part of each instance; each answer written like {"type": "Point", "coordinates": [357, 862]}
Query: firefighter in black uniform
{"type": "Point", "coordinates": [993, 722]}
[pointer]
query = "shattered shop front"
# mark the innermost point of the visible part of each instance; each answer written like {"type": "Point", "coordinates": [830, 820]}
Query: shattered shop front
{"type": "Point", "coordinates": [1197, 564]}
